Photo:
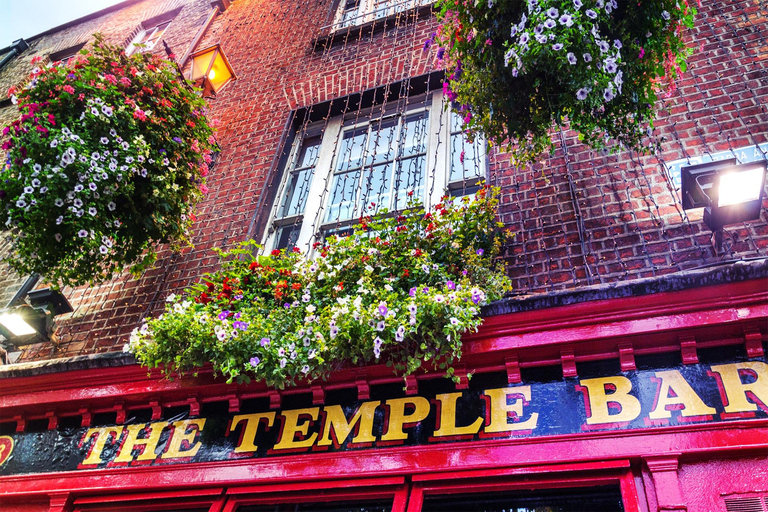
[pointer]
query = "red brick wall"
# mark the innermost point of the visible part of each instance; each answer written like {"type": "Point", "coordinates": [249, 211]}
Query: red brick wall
{"type": "Point", "coordinates": [579, 217]}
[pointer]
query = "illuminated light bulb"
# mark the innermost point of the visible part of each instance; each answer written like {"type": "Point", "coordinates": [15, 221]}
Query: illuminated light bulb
{"type": "Point", "coordinates": [739, 187]}
{"type": "Point", "coordinates": [14, 323]}
{"type": "Point", "coordinates": [212, 74]}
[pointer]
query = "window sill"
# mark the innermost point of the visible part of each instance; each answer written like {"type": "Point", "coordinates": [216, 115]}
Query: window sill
{"type": "Point", "coordinates": [330, 36]}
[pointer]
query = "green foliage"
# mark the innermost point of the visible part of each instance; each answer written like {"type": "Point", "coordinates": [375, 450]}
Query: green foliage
{"type": "Point", "coordinates": [106, 159]}
{"type": "Point", "coordinates": [514, 68]}
{"type": "Point", "coordinates": [401, 290]}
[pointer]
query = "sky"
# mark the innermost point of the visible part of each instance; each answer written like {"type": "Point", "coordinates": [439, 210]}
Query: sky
{"type": "Point", "coordinates": [26, 18]}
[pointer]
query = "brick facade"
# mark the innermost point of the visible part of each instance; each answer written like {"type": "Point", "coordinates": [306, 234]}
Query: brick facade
{"type": "Point", "coordinates": [580, 218]}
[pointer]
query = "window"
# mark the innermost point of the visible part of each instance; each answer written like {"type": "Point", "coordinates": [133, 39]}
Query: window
{"type": "Point", "coordinates": [149, 36]}
{"type": "Point", "coordinates": [62, 57]}
{"type": "Point", "coordinates": [357, 12]}
{"type": "Point", "coordinates": [373, 159]}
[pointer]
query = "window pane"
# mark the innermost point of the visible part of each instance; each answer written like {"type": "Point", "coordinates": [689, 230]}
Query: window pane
{"type": "Point", "coordinates": [376, 184]}
{"type": "Point", "coordinates": [321, 507]}
{"type": "Point", "coordinates": [309, 152]}
{"type": "Point", "coordinates": [410, 177]}
{"type": "Point", "coordinates": [414, 136]}
{"type": "Point", "coordinates": [343, 197]}
{"type": "Point", "coordinates": [465, 159]}
{"type": "Point", "coordinates": [350, 155]}
{"type": "Point", "coordinates": [287, 236]}
{"type": "Point", "coordinates": [592, 499]}
{"type": "Point", "coordinates": [296, 193]}
{"type": "Point", "coordinates": [382, 141]}
{"type": "Point", "coordinates": [297, 187]}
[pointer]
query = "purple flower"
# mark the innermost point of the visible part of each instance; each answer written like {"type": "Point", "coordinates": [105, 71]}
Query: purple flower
{"type": "Point", "coordinates": [428, 43]}
{"type": "Point", "coordinates": [582, 93]}
{"type": "Point", "coordinates": [450, 285]}
{"type": "Point", "coordinates": [440, 53]}
{"type": "Point", "coordinates": [177, 140]}
{"type": "Point", "coordinates": [223, 315]}
{"type": "Point", "coordinates": [264, 342]}
{"type": "Point", "coordinates": [477, 295]}
{"type": "Point", "coordinates": [553, 13]}
{"type": "Point", "coordinates": [382, 309]}
{"type": "Point", "coordinates": [412, 292]}
{"type": "Point", "coordinates": [557, 46]}
{"type": "Point", "coordinates": [590, 13]}
{"type": "Point", "coordinates": [571, 58]}
{"type": "Point", "coordinates": [254, 361]}
{"type": "Point", "coordinates": [480, 252]}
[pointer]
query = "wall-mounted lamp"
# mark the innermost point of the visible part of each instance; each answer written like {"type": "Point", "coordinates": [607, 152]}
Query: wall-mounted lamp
{"type": "Point", "coordinates": [211, 70]}
{"type": "Point", "coordinates": [23, 323]}
{"type": "Point", "coordinates": [728, 191]}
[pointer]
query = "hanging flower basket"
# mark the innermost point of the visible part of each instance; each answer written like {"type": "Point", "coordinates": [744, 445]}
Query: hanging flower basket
{"type": "Point", "coordinates": [107, 159]}
{"type": "Point", "coordinates": [400, 290]}
{"type": "Point", "coordinates": [516, 68]}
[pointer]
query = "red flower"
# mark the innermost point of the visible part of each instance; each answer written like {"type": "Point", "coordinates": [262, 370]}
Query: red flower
{"type": "Point", "coordinates": [254, 265]}
{"type": "Point", "coordinates": [275, 252]}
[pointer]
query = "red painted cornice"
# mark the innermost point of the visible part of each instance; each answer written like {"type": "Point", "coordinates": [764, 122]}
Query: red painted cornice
{"type": "Point", "coordinates": [713, 315]}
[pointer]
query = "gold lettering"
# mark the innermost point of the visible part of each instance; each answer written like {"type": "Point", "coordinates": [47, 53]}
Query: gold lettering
{"type": "Point", "coordinates": [500, 410]}
{"type": "Point", "coordinates": [184, 431]}
{"type": "Point", "coordinates": [291, 427]}
{"type": "Point", "coordinates": [600, 400]}
{"type": "Point", "coordinates": [146, 445]}
{"type": "Point", "coordinates": [448, 418]}
{"type": "Point", "coordinates": [671, 380]}
{"type": "Point", "coordinates": [398, 419]}
{"type": "Point", "coordinates": [252, 422]}
{"type": "Point", "coordinates": [736, 391]}
{"type": "Point", "coordinates": [101, 435]}
{"type": "Point", "coordinates": [336, 420]}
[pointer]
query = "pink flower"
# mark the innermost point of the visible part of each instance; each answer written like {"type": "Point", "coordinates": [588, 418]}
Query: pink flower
{"type": "Point", "coordinates": [69, 89]}
{"type": "Point", "coordinates": [203, 188]}
{"type": "Point", "coordinates": [139, 114]}
{"type": "Point", "coordinates": [125, 81]}
{"type": "Point", "coordinates": [110, 78]}
{"type": "Point", "coordinates": [642, 52]}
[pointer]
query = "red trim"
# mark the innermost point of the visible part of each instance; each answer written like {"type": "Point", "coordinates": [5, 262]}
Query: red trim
{"type": "Point", "coordinates": [485, 473]}
{"type": "Point", "coordinates": [595, 330]}
{"type": "Point", "coordinates": [698, 440]}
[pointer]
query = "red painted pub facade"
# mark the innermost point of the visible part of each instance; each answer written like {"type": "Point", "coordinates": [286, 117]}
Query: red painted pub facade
{"type": "Point", "coordinates": [627, 372]}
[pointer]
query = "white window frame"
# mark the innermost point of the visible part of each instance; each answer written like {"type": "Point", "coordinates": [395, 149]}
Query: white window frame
{"type": "Point", "coordinates": [435, 184]}
{"type": "Point", "coordinates": [351, 13]}
{"type": "Point", "coordinates": [147, 34]}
